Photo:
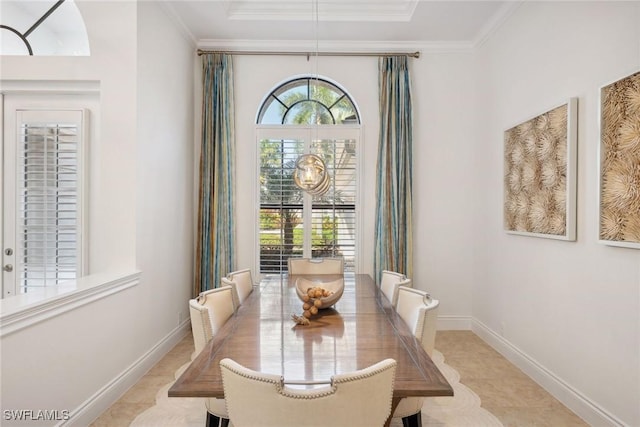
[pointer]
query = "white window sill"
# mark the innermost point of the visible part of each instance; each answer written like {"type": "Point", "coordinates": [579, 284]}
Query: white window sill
{"type": "Point", "coordinates": [20, 311]}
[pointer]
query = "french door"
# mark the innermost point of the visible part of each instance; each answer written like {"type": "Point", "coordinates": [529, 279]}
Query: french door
{"type": "Point", "coordinates": [293, 223]}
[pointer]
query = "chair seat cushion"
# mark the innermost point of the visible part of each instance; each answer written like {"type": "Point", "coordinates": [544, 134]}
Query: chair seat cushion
{"type": "Point", "coordinates": [408, 406]}
{"type": "Point", "coordinates": [217, 407]}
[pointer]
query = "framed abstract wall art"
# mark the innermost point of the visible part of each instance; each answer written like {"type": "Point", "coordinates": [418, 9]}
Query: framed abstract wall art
{"type": "Point", "coordinates": [540, 174]}
{"type": "Point", "coordinates": [619, 162]}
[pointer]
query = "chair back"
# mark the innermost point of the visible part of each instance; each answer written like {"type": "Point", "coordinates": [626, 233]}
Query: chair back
{"type": "Point", "coordinates": [390, 282]}
{"type": "Point", "coordinates": [360, 398]}
{"type": "Point", "coordinates": [241, 282]}
{"type": "Point", "coordinates": [420, 312]}
{"type": "Point", "coordinates": [208, 313]}
{"type": "Point", "coordinates": [316, 265]}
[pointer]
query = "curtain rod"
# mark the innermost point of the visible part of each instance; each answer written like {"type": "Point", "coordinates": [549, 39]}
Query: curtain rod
{"type": "Point", "coordinates": [310, 54]}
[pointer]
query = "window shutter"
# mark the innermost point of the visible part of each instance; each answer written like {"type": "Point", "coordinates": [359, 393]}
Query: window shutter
{"type": "Point", "coordinates": [281, 204]}
{"type": "Point", "coordinates": [48, 228]}
{"type": "Point", "coordinates": [332, 215]}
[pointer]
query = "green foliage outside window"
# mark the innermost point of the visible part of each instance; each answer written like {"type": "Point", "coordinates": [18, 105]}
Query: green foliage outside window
{"type": "Point", "coordinates": [326, 237]}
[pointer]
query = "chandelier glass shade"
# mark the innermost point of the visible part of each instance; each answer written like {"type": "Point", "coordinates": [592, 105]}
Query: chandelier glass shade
{"type": "Point", "coordinates": [311, 175]}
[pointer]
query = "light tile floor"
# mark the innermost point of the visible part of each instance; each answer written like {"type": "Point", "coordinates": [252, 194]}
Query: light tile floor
{"type": "Point", "coordinates": [505, 391]}
{"type": "Point", "coordinates": [143, 394]}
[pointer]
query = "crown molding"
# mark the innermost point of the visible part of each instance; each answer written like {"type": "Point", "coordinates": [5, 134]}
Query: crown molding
{"type": "Point", "coordinates": [499, 18]}
{"type": "Point", "coordinates": [241, 11]}
{"type": "Point", "coordinates": [168, 9]}
{"type": "Point", "coordinates": [333, 46]}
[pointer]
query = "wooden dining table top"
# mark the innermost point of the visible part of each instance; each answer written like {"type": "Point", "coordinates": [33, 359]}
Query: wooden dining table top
{"type": "Point", "coordinates": [362, 328]}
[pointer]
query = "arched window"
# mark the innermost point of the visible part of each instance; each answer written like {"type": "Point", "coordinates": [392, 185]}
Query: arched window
{"type": "Point", "coordinates": [47, 27]}
{"type": "Point", "coordinates": [308, 101]}
{"type": "Point", "coordinates": [307, 115]}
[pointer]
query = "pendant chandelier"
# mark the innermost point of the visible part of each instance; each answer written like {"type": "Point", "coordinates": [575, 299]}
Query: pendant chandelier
{"type": "Point", "coordinates": [311, 175]}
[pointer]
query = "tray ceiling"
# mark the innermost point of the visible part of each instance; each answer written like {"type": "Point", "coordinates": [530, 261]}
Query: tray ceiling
{"type": "Point", "coordinates": [452, 22]}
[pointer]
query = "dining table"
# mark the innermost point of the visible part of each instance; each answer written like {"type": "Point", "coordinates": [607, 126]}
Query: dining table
{"type": "Point", "coordinates": [360, 329]}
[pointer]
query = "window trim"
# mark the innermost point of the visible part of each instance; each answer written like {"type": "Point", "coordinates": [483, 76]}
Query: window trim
{"type": "Point", "coordinates": [21, 311]}
{"type": "Point", "coordinates": [40, 94]}
{"type": "Point", "coordinates": [53, 108]}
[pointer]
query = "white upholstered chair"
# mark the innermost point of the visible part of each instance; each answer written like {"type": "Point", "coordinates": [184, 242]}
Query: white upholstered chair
{"type": "Point", "coordinates": [390, 281]}
{"type": "Point", "coordinates": [360, 398]}
{"type": "Point", "coordinates": [316, 265]}
{"type": "Point", "coordinates": [241, 282]}
{"type": "Point", "coordinates": [420, 312]}
{"type": "Point", "coordinates": [209, 312]}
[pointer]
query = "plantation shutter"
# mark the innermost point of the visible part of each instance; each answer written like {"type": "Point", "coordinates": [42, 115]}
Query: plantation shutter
{"type": "Point", "coordinates": [294, 224]}
{"type": "Point", "coordinates": [333, 227]}
{"type": "Point", "coordinates": [48, 214]}
{"type": "Point", "coordinates": [281, 204]}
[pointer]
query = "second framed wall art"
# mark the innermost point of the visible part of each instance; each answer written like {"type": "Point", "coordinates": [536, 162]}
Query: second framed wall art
{"type": "Point", "coordinates": [540, 174]}
{"type": "Point", "coordinates": [619, 155]}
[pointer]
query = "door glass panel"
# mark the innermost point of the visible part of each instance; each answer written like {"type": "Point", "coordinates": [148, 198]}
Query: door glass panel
{"type": "Point", "coordinates": [281, 204]}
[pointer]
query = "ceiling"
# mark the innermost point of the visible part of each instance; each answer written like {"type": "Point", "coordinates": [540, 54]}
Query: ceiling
{"type": "Point", "coordinates": [306, 25]}
{"type": "Point", "coordinates": [335, 24]}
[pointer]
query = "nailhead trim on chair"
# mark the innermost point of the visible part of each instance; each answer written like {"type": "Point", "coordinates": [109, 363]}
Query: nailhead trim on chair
{"type": "Point", "coordinates": [311, 394]}
{"type": "Point", "coordinates": [280, 386]}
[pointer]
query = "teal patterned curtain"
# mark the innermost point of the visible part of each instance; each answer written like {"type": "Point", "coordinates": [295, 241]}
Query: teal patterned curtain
{"type": "Point", "coordinates": [393, 230]}
{"type": "Point", "coordinates": [215, 247]}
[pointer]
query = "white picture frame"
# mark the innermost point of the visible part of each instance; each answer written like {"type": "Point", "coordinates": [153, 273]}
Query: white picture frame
{"type": "Point", "coordinates": [619, 163]}
{"type": "Point", "coordinates": [540, 161]}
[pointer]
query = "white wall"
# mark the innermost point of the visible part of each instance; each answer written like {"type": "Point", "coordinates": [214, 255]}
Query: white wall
{"type": "Point", "coordinates": [570, 310]}
{"type": "Point", "coordinates": [112, 67]}
{"type": "Point", "coordinates": [141, 189]}
{"type": "Point", "coordinates": [38, 361]}
{"type": "Point", "coordinates": [542, 298]}
{"type": "Point", "coordinates": [444, 170]}
{"type": "Point", "coordinates": [165, 171]}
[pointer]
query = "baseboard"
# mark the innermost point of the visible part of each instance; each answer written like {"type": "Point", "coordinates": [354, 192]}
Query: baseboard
{"type": "Point", "coordinates": [93, 407]}
{"type": "Point", "coordinates": [586, 409]}
{"type": "Point", "coordinates": [454, 323]}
